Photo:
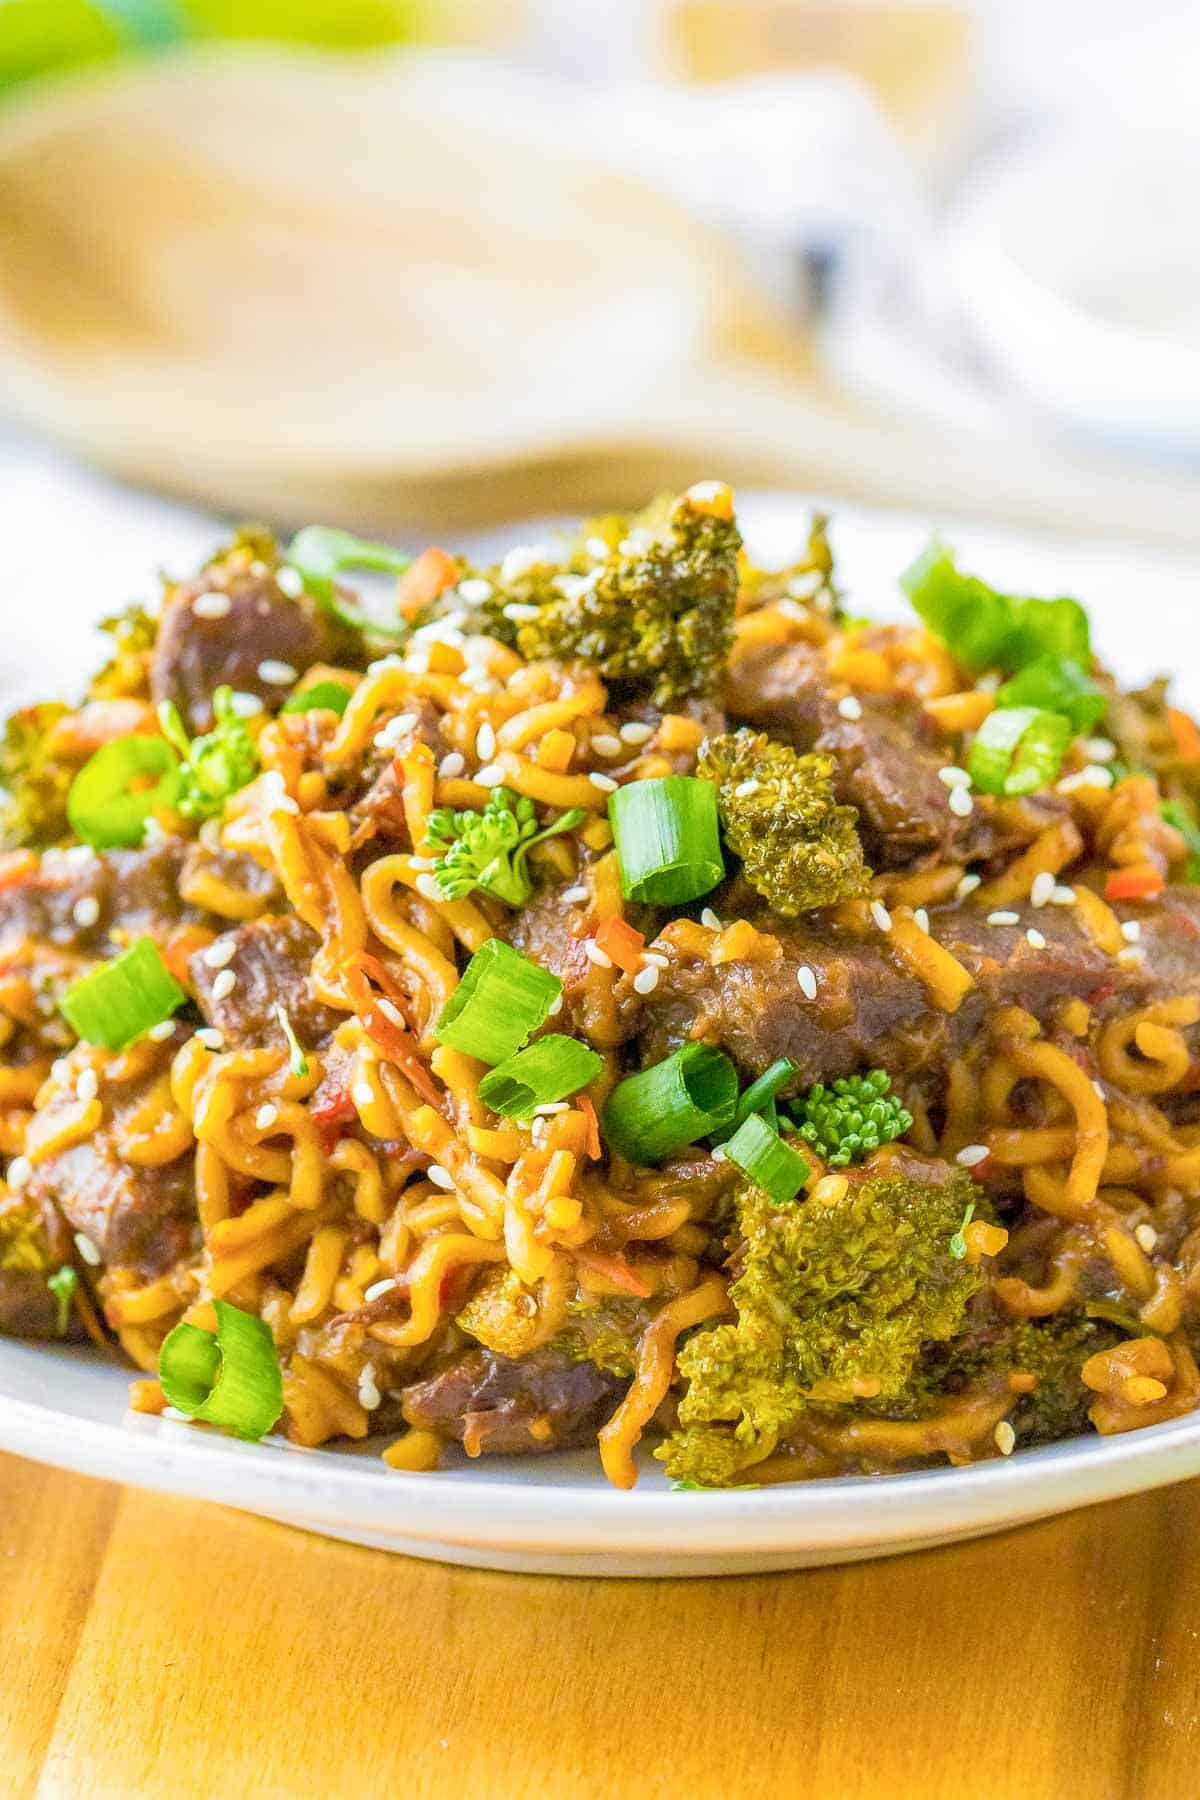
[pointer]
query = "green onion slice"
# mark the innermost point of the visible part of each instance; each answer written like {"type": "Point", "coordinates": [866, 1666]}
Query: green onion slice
{"type": "Point", "coordinates": [500, 1002]}
{"type": "Point", "coordinates": [989, 630]}
{"type": "Point", "coordinates": [299, 1062]}
{"type": "Point", "coordinates": [119, 788]}
{"type": "Point", "coordinates": [766, 1160]}
{"type": "Point", "coordinates": [1056, 684]}
{"type": "Point", "coordinates": [231, 1380]}
{"type": "Point", "coordinates": [667, 839]}
{"type": "Point", "coordinates": [62, 1285]}
{"type": "Point", "coordinates": [540, 1074]}
{"type": "Point", "coordinates": [759, 1097]}
{"type": "Point", "coordinates": [689, 1096]}
{"type": "Point", "coordinates": [322, 696]}
{"type": "Point", "coordinates": [1018, 750]}
{"type": "Point", "coordinates": [123, 999]}
{"type": "Point", "coordinates": [320, 553]}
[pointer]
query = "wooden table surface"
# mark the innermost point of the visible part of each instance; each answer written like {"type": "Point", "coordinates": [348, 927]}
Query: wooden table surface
{"type": "Point", "coordinates": [155, 1647]}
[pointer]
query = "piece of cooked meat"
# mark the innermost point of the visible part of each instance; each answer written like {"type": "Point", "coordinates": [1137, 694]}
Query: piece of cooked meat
{"type": "Point", "coordinates": [221, 881]}
{"type": "Point", "coordinates": [195, 655]}
{"type": "Point", "coordinates": [138, 890]}
{"type": "Point", "coordinates": [497, 1406]}
{"type": "Point", "coordinates": [271, 962]}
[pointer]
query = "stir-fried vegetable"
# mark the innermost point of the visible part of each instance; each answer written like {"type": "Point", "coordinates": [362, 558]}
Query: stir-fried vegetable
{"type": "Point", "coordinates": [214, 766]}
{"type": "Point", "coordinates": [1018, 750]}
{"type": "Point", "coordinates": [851, 1117]}
{"type": "Point", "coordinates": [667, 841]}
{"type": "Point", "coordinates": [489, 849]}
{"type": "Point", "coordinates": [123, 999]}
{"type": "Point", "coordinates": [35, 778]}
{"type": "Point", "coordinates": [985, 629]}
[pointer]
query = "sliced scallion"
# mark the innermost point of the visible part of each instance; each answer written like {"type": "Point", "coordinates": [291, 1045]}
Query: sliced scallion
{"type": "Point", "coordinates": [320, 553]}
{"type": "Point", "coordinates": [667, 839]}
{"type": "Point", "coordinates": [500, 1002]}
{"type": "Point", "coordinates": [688, 1096]}
{"type": "Point", "coordinates": [1018, 749]}
{"type": "Point", "coordinates": [231, 1379]}
{"type": "Point", "coordinates": [322, 696]}
{"type": "Point", "coordinates": [542, 1073]}
{"type": "Point", "coordinates": [123, 999]}
{"type": "Point", "coordinates": [988, 630]}
{"type": "Point", "coordinates": [119, 788]}
{"type": "Point", "coordinates": [759, 1097]}
{"type": "Point", "coordinates": [1056, 684]}
{"type": "Point", "coordinates": [766, 1160]}
{"type": "Point", "coordinates": [299, 1062]}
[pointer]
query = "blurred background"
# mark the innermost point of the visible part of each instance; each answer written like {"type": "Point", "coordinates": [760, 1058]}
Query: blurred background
{"type": "Point", "coordinates": [427, 265]}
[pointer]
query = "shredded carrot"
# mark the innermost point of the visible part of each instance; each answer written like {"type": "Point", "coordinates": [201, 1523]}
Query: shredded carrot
{"type": "Point", "coordinates": [181, 946]}
{"type": "Point", "coordinates": [1141, 881]}
{"type": "Point", "coordinates": [421, 583]}
{"type": "Point", "coordinates": [593, 1138]}
{"type": "Point", "coordinates": [622, 943]}
{"type": "Point", "coordinates": [16, 866]}
{"type": "Point", "coordinates": [401, 1049]}
{"type": "Point", "coordinates": [1185, 732]}
{"type": "Point", "coordinates": [614, 1269]}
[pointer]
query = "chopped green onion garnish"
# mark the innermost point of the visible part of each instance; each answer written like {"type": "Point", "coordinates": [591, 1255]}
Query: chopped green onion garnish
{"type": "Point", "coordinates": [500, 1002]}
{"type": "Point", "coordinates": [123, 999]}
{"type": "Point", "coordinates": [540, 1074]}
{"type": "Point", "coordinates": [231, 1380]}
{"type": "Point", "coordinates": [1056, 684]}
{"type": "Point", "coordinates": [320, 553]}
{"type": "Point", "coordinates": [322, 696]}
{"type": "Point", "coordinates": [958, 1243]}
{"type": "Point", "coordinates": [667, 840]}
{"type": "Point", "coordinates": [299, 1060]}
{"type": "Point", "coordinates": [988, 630]}
{"type": "Point", "coordinates": [689, 1096]}
{"type": "Point", "coordinates": [62, 1285]}
{"type": "Point", "coordinates": [759, 1097]}
{"type": "Point", "coordinates": [1018, 750]}
{"type": "Point", "coordinates": [118, 789]}
{"type": "Point", "coordinates": [766, 1160]}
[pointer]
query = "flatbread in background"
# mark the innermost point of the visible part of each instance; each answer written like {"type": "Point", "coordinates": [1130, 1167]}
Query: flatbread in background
{"type": "Point", "coordinates": [384, 289]}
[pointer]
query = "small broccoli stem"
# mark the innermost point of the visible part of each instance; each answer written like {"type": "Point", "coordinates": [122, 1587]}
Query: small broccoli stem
{"type": "Point", "coordinates": [506, 881]}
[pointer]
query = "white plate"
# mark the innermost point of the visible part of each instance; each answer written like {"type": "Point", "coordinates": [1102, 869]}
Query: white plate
{"type": "Point", "coordinates": [556, 1514]}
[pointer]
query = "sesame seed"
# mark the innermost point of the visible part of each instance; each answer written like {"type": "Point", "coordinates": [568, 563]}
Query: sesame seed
{"type": "Point", "coordinates": [378, 1288]}
{"type": "Point", "coordinates": [635, 732]}
{"type": "Point", "coordinates": [595, 954]}
{"type": "Point", "coordinates": [391, 1011]}
{"type": "Point", "coordinates": [85, 912]}
{"type": "Point", "coordinates": [1092, 776]}
{"type": "Point", "coordinates": [1041, 891]}
{"type": "Point", "coordinates": [158, 1034]}
{"type": "Point", "coordinates": [1006, 1438]}
{"type": "Point", "coordinates": [881, 915]}
{"type": "Point", "coordinates": [440, 1177]}
{"type": "Point", "coordinates": [20, 1171]}
{"type": "Point", "coordinates": [850, 708]}
{"type": "Point", "coordinates": [1004, 918]}
{"type": "Point", "coordinates": [520, 612]}
{"type": "Point", "coordinates": [220, 954]}
{"type": "Point", "coordinates": [1146, 1236]}
{"type": "Point", "coordinates": [429, 887]}
{"type": "Point", "coordinates": [212, 606]}
{"type": "Point", "coordinates": [597, 549]}
{"type": "Point", "coordinates": [605, 744]}
{"type": "Point", "coordinates": [921, 918]}
{"type": "Point", "coordinates": [960, 802]}
{"type": "Point", "coordinates": [705, 491]}
{"type": "Point", "coordinates": [646, 980]}
{"type": "Point", "coordinates": [745, 788]}
{"type": "Point", "coordinates": [79, 855]}
{"type": "Point", "coordinates": [1100, 749]}
{"type": "Point", "coordinates": [1063, 896]}
{"type": "Point", "coordinates": [1034, 939]}
{"type": "Point", "coordinates": [1098, 1090]}
{"type": "Point", "coordinates": [88, 1086]}
{"type": "Point", "coordinates": [549, 1108]}
{"type": "Point", "coordinates": [521, 558]}
{"type": "Point", "coordinates": [290, 581]}
{"type": "Point", "coordinates": [395, 729]}
{"type": "Point", "coordinates": [971, 1155]}
{"type": "Point", "coordinates": [555, 1007]}
{"type": "Point", "coordinates": [966, 886]}
{"type": "Point", "coordinates": [276, 673]}
{"type": "Point", "coordinates": [211, 1038]}
{"type": "Point", "coordinates": [485, 742]}
{"type": "Point", "coordinates": [574, 895]}
{"type": "Point", "coordinates": [266, 1116]}
{"type": "Point", "coordinates": [808, 981]}
{"type": "Point", "coordinates": [1131, 956]}
{"type": "Point", "coordinates": [452, 764]}
{"type": "Point", "coordinates": [369, 1396]}
{"type": "Point", "coordinates": [245, 706]}
{"type": "Point", "coordinates": [474, 588]}
{"type": "Point", "coordinates": [657, 958]}
{"type": "Point", "coordinates": [605, 783]}
{"type": "Point", "coordinates": [87, 1250]}
{"type": "Point", "coordinates": [224, 984]}
{"type": "Point", "coordinates": [709, 918]}
{"type": "Point", "coordinates": [953, 776]}
{"type": "Point", "coordinates": [490, 776]}
{"type": "Point", "coordinates": [362, 1094]}
{"type": "Point", "coordinates": [1131, 930]}
{"type": "Point", "coordinates": [718, 1153]}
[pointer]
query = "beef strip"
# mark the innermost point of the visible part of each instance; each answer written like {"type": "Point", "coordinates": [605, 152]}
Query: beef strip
{"type": "Point", "coordinates": [869, 1011]}
{"type": "Point", "coordinates": [271, 962]}
{"type": "Point", "coordinates": [195, 655]}
{"type": "Point", "coordinates": [138, 1218]}
{"type": "Point", "coordinates": [377, 807]}
{"type": "Point", "coordinates": [496, 1405]}
{"type": "Point", "coordinates": [135, 889]}
{"type": "Point", "coordinates": [887, 761]}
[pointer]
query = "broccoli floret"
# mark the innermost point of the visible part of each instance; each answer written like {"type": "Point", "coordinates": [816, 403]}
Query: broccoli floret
{"type": "Point", "coordinates": [127, 672]}
{"type": "Point", "coordinates": [853, 1117]}
{"type": "Point", "coordinates": [648, 599]}
{"type": "Point", "coordinates": [799, 848]}
{"type": "Point", "coordinates": [35, 779]}
{"type": "Point", "coordinates": [830, 1300]}
{"type": "Point", "coordinates": [219, 764]}
{"type": "Point", "coordinates": [488, 849]}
